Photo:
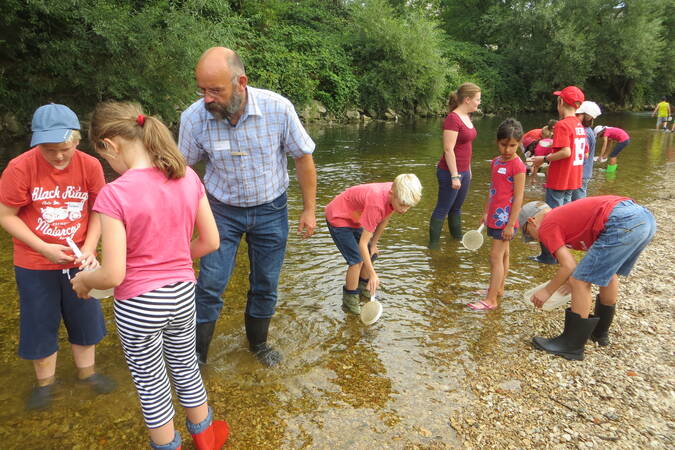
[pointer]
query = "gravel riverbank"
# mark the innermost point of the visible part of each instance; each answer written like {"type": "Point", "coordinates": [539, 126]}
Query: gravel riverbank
{"type": "Point", "coordinates": [621, 396]}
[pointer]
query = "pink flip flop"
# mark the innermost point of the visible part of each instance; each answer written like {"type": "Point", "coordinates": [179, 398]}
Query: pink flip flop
{"type": "Point", "coordinates": [481, 306]}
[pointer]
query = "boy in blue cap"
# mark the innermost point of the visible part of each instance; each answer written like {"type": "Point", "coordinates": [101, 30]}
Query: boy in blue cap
{"type": "Point", "coordinates": [46, 195]}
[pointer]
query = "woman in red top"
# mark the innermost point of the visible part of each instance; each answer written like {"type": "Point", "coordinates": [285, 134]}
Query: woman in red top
{"type": "Point", "coordinates": [454, 167]}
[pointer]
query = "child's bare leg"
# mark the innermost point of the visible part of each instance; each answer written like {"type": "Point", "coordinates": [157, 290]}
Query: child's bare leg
{"type": "Point", "coordinates": [581, 297]}
{"type": "Point", "coordinates": [612, 161]}
{"type": "Point", "coordinates": [45, 368]}
{"type": "Point", "coordinates": [496, 271]}
{"type": "Point", "coordinates": [505, 265]}
{"type": "Point", "coordinates": [198, 414]}
{"type": "Point", "coordinates": [352, 278]}
{"type": "Point", "coordinates": [164, 434]}
{"type": "Point", "coordinates": [609, 293]}
{"type": "Point", "coordinates": [85, 358]}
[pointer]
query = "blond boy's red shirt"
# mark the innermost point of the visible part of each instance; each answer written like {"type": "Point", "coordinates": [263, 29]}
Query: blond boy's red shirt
{"type": "Point", "coordinates": [55, 204]}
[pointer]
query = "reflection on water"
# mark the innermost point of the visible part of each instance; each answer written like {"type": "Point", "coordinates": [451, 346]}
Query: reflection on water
{"type": "Point", "coordinates": [342, 385]}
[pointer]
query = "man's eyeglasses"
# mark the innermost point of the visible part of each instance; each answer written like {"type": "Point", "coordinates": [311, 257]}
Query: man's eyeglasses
{"type": "Point", "coordinates": [212, 92]}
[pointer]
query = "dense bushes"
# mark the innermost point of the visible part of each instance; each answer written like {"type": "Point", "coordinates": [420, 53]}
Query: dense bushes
{"type": "Point", "coordinates": [373, 54]}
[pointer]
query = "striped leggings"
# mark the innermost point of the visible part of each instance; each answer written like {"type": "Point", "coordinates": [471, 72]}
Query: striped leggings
{"type": "Point", "coordinates": [155, 327]}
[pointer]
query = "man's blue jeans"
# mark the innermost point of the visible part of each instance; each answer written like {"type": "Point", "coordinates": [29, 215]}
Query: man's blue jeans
{"type": "Point", "coordinates": [266, 230]}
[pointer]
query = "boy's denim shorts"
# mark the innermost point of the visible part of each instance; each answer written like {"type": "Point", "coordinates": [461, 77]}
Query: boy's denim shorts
{"type": "Point", "coordinates": [347, 241]}
{"type": "Point", "coordinates": [496, 233]}
{"type": "Point", "coordinates": [44, 297]}
{"type": "Point", "coordinates": [628, 230]}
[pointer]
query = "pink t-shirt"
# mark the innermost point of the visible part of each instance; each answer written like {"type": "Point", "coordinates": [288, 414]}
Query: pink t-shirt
{"type": "Point", "coordinates": [616, 134]}
{"type": "Point", "coordinates": [159, 216]}
{"type": "Point", "coordinates": [544, 147]}
{"type": "Point", "coordinates": [501, 191]}
{"type": "Point", "coordinates": [365, 205]}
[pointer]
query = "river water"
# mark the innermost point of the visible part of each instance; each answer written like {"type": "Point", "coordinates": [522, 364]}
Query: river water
{"type": "Point", "coordinates": [342, 385]}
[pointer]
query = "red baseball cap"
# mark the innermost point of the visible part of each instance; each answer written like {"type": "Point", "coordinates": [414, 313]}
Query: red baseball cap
{"type": "Point", "coordinates": [571, 95]}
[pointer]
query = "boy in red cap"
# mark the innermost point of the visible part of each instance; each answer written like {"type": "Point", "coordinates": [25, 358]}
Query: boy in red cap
{"type": "Point", "coordinates": [566, 161]}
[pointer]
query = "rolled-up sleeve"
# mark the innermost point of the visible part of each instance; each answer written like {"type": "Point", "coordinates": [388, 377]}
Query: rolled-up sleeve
{"type": "Point", "coordinates": [296, 141]}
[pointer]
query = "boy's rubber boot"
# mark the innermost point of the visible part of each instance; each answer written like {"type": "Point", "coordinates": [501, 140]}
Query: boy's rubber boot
{"type": "Point", "coordinates": [364, 293]}
{"type": "Point", "coordinates": [455, 225]}
{"type": "Point", "coordinates": [435, 228]}
{"type": "Point", "coordinates": [209, 434]}
{"type": "Point", "coordinates": [41, 397]}
{"type": "Point", "coordinates": [545, 257]}
{"type": "Point", "coordinates": [570, 344]}
{"type": "Point", "coordinates": [606, 315]}
{"type": "Point", "coordinates": [204, 336]}
{"type": "Point", "coordinates": [611, 168]}
{"type": "Point", "coordinates": [350, 301]}
{"type": "Point", "coordinates": [256, 332]}
{"type": "Point", "coordinates": [173, 445]}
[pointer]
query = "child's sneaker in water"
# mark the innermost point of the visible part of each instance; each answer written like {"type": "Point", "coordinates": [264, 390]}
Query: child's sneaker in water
{"type": "Point", "coordinates": [100, 383]}
{"type": "Point", "coordinates": [41, 397]}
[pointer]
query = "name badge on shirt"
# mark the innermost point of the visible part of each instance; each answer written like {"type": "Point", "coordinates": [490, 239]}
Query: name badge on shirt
{"type": "Point", "coordinates": [502, 170]}
{"type": "Point", "coordinates": [220, 146]}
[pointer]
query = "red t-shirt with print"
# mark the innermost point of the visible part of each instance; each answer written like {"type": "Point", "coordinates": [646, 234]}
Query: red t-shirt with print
{"type": "Point", "coordinates": [53, 203]}
{"type": "Point", "coordinates": [365, 205]}
{"type": "Point", "coordinates": [577, 224]}
{"type": "Point", "coordinates": [463, 145]}
{"type": "Point", "coordinates": [565, 174]}
{"type": "Point", "coordinates": [501, 191]}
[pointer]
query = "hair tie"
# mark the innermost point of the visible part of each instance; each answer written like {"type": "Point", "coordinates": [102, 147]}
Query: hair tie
{"type": "Point", "coordinates": [140, 120]}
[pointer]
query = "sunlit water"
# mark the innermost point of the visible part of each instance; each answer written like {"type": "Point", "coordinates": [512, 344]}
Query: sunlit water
{"type": "Point", "coordinates": [342, 385]}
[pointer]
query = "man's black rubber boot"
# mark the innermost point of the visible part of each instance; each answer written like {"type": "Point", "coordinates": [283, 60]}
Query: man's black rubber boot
{"type": "Point", "coordinates": [606, 314]}
{"type": "Point", "coordinates": [570, 344]}
{"type": "Point", "coordinates": [204, 336]}
{"type": "Point", "coordinates": [545, 257]}
{"type": "Point", "coordinates": [455, 225]}
{"type": "Point", "coordinates": [256, 332]}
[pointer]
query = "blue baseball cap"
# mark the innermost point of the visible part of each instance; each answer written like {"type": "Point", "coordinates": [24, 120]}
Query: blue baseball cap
{"type": "Point", "coordinates": [52, 124]}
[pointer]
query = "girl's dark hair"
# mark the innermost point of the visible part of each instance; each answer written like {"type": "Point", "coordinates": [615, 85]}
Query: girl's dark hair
{"type": "Point", "coordinates": [127, 121]}
{"type": "Point", "coordinates": [466, 90]}
{"type": "Point", "coordinates": [510, 128]}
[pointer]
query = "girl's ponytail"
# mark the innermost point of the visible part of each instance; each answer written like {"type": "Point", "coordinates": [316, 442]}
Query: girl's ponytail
{"type": "Point", "coordinates": [127, 121]}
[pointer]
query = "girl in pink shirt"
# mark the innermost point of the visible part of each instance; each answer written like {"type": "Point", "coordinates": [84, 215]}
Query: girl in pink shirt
{"type": "Point", "coordinates": [356, 220]}
{"type": "Point", "coordinates": [148, 216]}
{"type": "Point", "coordinates": [618, 136]}
{"type": "Point", "coordinates": [502, 208]}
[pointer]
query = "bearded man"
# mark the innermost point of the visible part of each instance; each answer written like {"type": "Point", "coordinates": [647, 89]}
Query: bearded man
{"type": "Point", "coordinates": [245, 135]}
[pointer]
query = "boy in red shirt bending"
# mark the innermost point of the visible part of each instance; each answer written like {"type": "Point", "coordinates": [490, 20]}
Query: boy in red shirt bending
{"type": "Point", "coordinates": [46, 195]}
{"type": "Point", "coordinates": [613, 231]}
{"type": "Point", "coordinates": [566, 161]}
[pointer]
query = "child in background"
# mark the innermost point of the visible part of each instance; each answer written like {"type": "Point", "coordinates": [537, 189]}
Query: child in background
{"type": "Point", "coordinates": [662, 113]}
{"type": "Point", "coordinates": [586, 113]}
{"type": "Point", "coordinates": [542, 148]}
{"type": "Point", "coordinates": [148, 216]}
{"type": "Point", "coordinates": [533, 136]}
{"type": "Point", "coordinates": [619, 137]}
{"type": "Point", "coordinates": [502, 208]}
{"type": "Point", "coordinates": [46, 195]}
{"type": "Point", "coordinates": [356, 220]}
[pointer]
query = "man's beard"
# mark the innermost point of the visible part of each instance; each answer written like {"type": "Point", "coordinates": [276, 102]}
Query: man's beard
{"type": "Point", "coordinates": [226, 111]}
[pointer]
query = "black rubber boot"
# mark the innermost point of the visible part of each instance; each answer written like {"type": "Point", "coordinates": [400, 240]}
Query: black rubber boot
{"type": "Point", "coordinates": [435, 228]}
{"type": "Point", "coordinates": [545, 257]}
{"type": "Point", "coordinates": [606, 314]}
{"type": "Point", "coordinates": [570, 344]}
{"type": "Point", "coordinates": [256, 332]}
{"type": "Point", "coordinates": [455, 225]}
{"type": "Point", "coordinates": [204, 336]}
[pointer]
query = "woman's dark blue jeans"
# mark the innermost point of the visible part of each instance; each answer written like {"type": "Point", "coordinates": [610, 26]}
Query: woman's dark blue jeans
{"type": "Point", "coordinates": [450, 200]}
